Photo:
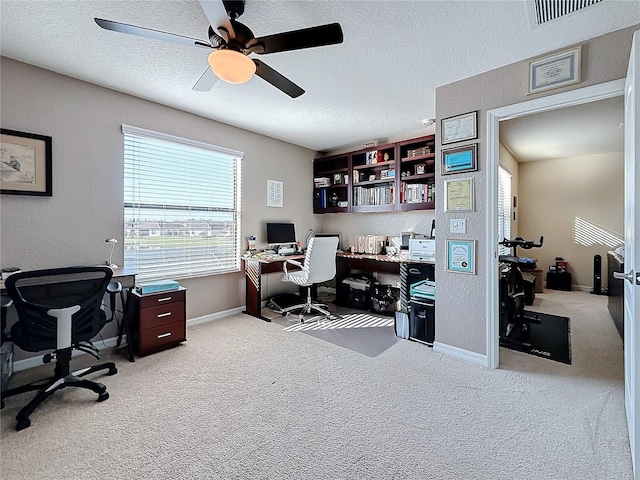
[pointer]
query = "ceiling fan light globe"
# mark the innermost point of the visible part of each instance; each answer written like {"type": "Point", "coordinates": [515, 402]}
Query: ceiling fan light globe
{"type": "Point", "coordinates": [231, 66]}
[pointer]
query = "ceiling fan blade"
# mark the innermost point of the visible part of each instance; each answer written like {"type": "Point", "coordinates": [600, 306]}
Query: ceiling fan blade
{"type": "Point", "coordinates": [216, 13]}
{"type": "Point", "coordinates": [277, 80]}
{"type": "Point", "coordinates": [206, 81]}
{"type": "Point", "coordinates": [149, 33]}
{"type": "Point", "coordinates": [296, 39]}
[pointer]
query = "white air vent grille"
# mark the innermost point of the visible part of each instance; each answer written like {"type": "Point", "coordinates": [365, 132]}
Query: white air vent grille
{"type": "Point", "coordinates": [547, 10]}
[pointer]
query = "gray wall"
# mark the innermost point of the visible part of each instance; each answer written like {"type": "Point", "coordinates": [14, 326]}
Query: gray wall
{"type": "Point", "coordinates": [85, 122]}
{"type": "Point", "coordinates": [462, 302]}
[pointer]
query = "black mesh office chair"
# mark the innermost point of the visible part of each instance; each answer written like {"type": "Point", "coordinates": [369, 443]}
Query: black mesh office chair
{"type": "Point", "coordinates": [58, 309]}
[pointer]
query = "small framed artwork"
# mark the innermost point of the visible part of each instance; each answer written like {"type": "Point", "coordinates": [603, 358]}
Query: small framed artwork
{"type": "Point", "coordinates": [460, 159]}
{"type": "Point", "coordinates": [459, 195]}
{"type": "Point", "coordinates": [459, 128]}
{"type": "Point", "coordinates": [554, 71]}
{"type": "Point", "coordinates": [420, 169]}
{"type": "Point", "coordinates": [25, 163]}
{"type": "Point", "coordinates": [371, 158]}
{"type": "Point", "coordinates": [337, 178]}
{"type": "Point", "coordinates": [461, 256]}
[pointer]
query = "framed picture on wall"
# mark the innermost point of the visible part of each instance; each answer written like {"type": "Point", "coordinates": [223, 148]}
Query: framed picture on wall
{"type": "Point", "coordinates": [25, 163]}
{"type": "Point", "coordinates": [461, 256]}
{"type": "Point", "coordinates": [459, 128]}
{"type": "Point", "coordinates": [554, 71]}
{"type": "Point", "coordinates": [460, 159]}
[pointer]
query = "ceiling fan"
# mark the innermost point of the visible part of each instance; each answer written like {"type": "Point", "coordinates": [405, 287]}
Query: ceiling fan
{"type": "Point", "coordinates": [232, 42]}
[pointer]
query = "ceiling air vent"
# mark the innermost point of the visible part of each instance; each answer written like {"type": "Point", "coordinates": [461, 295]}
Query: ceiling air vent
{"type": "Point", "coordinates": [547, 10]}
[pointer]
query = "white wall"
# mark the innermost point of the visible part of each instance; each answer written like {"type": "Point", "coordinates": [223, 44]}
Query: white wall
{"type": "Point", "coordinates": [85, 122]}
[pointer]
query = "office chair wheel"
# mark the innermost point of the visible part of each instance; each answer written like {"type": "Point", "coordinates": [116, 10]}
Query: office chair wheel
{"type": "Point", "coordinates": [22, 424]}
{"type": "Point", "coordinates": [103, 396]}
{"type": "Point", "coordinates": [112, 371]}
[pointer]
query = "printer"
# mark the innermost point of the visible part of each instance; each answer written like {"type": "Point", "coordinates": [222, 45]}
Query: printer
{"type": "Point", "coordinates": [422, 249]}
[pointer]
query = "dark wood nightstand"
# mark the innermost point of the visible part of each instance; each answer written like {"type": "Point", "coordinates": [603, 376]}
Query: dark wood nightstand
{"type": "Point", "coordinates": [158, 320]}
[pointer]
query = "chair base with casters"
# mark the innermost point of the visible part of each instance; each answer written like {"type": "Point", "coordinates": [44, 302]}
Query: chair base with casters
{"type": "Point", "coordinates": [59, 310]}
{"type": "Point", "coordinates": [62, 376]}
{"type": "Point", "coordinates": [307, 308]}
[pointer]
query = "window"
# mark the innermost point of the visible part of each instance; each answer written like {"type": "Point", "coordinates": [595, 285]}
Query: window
{"type": "Point", "coordinates": [181, 206]}
{"type": "Point", "coordinates": [504, 209]}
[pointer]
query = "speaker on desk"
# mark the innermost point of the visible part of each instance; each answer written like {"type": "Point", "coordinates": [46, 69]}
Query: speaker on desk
{"type": "Point", "coordinates": [597, 276]}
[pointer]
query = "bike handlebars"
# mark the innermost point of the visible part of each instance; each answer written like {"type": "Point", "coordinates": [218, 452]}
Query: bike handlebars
{"type": "Point", "coordinates": [522, 243]}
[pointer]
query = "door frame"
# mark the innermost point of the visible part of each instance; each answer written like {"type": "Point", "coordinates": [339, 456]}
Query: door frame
{"type": "Point", "coordinates": [579, 96]}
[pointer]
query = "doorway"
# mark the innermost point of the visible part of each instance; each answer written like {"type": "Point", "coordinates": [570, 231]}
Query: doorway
{"type": "Point", "coordinates": [494, 117]}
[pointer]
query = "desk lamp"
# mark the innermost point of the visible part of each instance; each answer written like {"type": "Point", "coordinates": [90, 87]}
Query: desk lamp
{"type": "Point", "coordinates": [113, 242]}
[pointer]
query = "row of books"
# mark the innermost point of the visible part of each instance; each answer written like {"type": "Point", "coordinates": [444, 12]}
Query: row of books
{"type": "Point", "coordinates": [382, 195]}
{"type": "Point", "coordinates": [417, 193]}
{"type": "Point", "coordinates": [372, 244]}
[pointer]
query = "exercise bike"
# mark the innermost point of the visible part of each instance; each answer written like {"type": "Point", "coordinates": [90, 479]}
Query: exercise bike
{"type": "Point", "coordinates": [515, 323]}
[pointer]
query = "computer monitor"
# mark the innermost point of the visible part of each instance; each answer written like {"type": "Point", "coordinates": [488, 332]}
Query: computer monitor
{"type": "Point", "coordinates": [281, 233]}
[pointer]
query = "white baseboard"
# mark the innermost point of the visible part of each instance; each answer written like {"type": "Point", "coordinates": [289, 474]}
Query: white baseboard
{"type": "Point", "coordinates": [214, 316]}
{"type": "Point", "coordinates": [36, 361]}
{"type": "Point", "coordinates": [460, 353]}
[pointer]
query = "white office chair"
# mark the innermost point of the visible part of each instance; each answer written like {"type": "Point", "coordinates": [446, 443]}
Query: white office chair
{"type": "Point", "coordinates": [319, 266]}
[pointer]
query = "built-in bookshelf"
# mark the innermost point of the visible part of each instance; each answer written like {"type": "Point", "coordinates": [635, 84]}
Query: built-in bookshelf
{"type": "Point", "coordinates": [394, 176]}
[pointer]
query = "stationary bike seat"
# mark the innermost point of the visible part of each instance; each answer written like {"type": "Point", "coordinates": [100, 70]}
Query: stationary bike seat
{"type": "Point", "coordinates": [508, 259]}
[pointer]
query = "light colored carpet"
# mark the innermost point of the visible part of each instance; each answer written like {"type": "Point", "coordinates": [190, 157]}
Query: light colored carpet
{"type": "Point", "coordinates": [243, 399]}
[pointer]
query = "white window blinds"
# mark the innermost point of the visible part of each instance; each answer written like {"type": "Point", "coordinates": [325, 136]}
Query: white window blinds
{"type": "Point", "coordinates": [181, 206]}
{"type": "Point", "coordinates": [504, 209]}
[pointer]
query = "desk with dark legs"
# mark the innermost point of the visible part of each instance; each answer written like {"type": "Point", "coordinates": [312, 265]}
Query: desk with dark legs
{"type": "Point", "coordinates": [345, 263]}
{"type": "Point", "coordinates": [253, 270]}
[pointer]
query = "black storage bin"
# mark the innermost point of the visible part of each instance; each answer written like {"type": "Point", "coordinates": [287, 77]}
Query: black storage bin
{"type": "Point", "coordinates": [422, 321]}
{"type": "Point", "coordinates": [559, 281]}
{"type": "Point", "coordinates": [359, 299]}
{"type": "Point", "coordinates": [385, 299]}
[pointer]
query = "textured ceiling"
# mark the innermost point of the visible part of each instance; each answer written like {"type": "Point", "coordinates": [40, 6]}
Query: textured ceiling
{"type": "Point", "coordinates": [380, 83]}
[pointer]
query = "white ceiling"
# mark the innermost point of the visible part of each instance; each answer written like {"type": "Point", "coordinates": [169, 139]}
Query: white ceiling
{"type": "Point", "coordinates": [589, 129]}
{"type": "Point", "coordinates": [380, 83]}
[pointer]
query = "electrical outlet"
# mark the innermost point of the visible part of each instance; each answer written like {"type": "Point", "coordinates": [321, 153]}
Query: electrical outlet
{"type": "Point", "coordinates": [458, 225]}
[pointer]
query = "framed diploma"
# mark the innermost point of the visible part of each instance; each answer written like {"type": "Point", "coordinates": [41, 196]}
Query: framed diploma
{"type": "Point", "coordinates": [459, 195]}
{"type": "Point", "coordinates": [554, 71]}
{"type": "Point", "coordinates": [461, 256]}
{"type": "Point", "coordinates": [459, 128]}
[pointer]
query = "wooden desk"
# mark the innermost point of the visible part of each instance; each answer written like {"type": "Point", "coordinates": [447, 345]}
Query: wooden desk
{"type": "Point", "coordinates": [254, 267]}
{"type": "Point", "coordinates": [345, 263]}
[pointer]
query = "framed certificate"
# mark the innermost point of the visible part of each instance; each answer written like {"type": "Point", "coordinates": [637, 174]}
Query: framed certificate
{"type": "Point", "coordinates": [461, 159]}
{"type": "Point", "coordinates": [459, 195]}
{"type": "Point", "coordinates": [459, 128]}
{"type": "Point", "coordinates": [461, 256]}
{"type": "Point", "coordinates": [554, 71]}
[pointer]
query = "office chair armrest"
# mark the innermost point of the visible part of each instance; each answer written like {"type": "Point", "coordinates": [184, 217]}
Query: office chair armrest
{"type": "Point", "coordinates": [64, 326]}
{"type": "Point", "coordinates": [292, 262]}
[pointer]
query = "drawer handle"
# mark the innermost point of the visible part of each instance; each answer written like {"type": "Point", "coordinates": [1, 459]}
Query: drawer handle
{"type": "Point", "coordinates": [164, 299]}
{"type": "Point", "coordinates": [168, 334]}
{"type": "Point", "coordinates": [160, 315]}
